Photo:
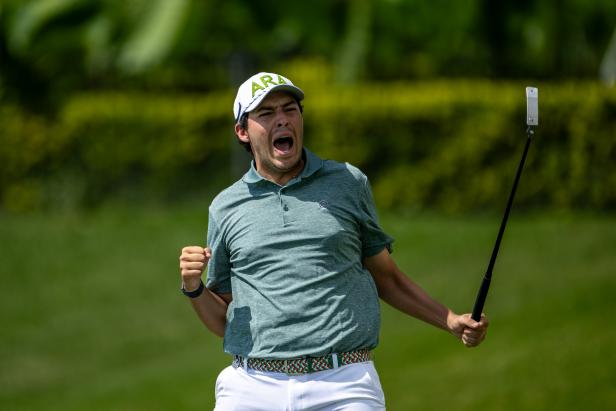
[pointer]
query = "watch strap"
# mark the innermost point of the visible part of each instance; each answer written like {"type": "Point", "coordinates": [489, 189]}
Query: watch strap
{"type": "Point", "coordinates": [195, 293]}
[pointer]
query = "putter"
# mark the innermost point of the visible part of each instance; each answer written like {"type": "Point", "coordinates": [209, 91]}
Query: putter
{"type": "Point", "coordinates": [532, 120]}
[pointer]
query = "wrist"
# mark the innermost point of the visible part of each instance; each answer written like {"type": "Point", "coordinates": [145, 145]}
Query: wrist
{"type": "Point", "coordinates": [451, 322]}
{"type": "Point", "coordinates": [191, 284]}
{"type": "Point", "coordinates": [192, 290]}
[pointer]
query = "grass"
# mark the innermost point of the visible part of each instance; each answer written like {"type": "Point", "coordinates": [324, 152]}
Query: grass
{"type": "Point", "coordinates": [92, 317]}
{"type": "Point", "coordinates": [551, 301]}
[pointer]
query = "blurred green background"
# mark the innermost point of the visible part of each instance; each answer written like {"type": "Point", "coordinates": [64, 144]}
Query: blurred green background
{"type": "Point", "coordinates": [116, 131]}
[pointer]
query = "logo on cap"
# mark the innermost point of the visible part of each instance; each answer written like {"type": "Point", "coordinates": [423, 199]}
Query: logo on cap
{"type": "Point", "coordinates": [265, 80]}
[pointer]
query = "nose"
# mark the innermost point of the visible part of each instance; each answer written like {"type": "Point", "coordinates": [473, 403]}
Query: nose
{"type": "Point", "coordinates": [282, 119]}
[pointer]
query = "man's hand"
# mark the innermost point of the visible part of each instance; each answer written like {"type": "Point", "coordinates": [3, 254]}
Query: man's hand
{"type": "Point", "coordinates": [471, 332]}
{"type": "Point", "coordinates": [193, 261]}
{"type": "Point", "coordinates": [209, 306]}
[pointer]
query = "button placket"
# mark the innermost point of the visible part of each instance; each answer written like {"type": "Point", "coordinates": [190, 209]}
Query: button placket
{"type": "Point", "coordinates": [284, 206]}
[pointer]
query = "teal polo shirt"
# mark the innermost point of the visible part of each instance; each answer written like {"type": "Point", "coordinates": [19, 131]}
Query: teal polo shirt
{"type": "Point", "coordinates": [292, 257]}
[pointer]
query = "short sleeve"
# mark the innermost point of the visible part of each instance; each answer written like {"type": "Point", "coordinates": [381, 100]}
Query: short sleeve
{"type": "Point", "coordinates": [219, 266]}
{"type": "Point", "coordinates": [373, 238]}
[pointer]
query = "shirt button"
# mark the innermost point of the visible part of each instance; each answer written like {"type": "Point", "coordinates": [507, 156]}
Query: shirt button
{"type": "Point", "coordinates": [285, 208]}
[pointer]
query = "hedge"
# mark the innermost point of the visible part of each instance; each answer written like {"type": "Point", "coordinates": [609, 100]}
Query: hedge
{"type": "Point", "coordinates": [446, 145]}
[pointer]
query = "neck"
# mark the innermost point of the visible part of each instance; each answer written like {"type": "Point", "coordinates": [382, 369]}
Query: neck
{"type": "Point", "coordinates": [277, 176]}
{"type": "Point", "coordinates": [282, 178]}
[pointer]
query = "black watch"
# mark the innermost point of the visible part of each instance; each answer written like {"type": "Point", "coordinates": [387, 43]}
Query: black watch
{"type": "Point", "coordinates": [195, 293]}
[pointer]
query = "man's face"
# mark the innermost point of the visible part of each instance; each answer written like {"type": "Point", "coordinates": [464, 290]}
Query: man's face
{"type": "Point", "coordinates": [275, 133]}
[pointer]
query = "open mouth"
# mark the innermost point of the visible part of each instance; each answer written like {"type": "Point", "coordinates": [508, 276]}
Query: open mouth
{"type": "Point", "coordinates": [283, 144]}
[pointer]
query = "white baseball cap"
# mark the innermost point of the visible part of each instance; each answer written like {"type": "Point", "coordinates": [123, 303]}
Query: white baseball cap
{"type": "Point", "coordinates": [256, 88]}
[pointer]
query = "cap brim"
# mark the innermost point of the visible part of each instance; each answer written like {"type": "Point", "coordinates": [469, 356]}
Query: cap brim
{"type": "Point", "coordinates": [295, 91]}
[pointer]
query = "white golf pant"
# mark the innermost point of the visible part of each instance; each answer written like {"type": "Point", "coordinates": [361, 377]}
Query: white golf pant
{"type": "Point", "coordinates": [353, 387]}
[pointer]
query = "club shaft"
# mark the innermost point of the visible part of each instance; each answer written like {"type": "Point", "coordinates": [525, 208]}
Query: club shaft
{"type": "Point", "coordinates": [485, 284]}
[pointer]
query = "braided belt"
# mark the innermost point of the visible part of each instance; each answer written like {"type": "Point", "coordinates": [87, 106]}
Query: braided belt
{"type": "Point", "coordinates": [304, 365]}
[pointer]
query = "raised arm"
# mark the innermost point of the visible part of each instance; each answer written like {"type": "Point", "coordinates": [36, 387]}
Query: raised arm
{"type": "Point", "coordinates": [396, 289]}
{"type": "Point", "coordinates": [211, 308]}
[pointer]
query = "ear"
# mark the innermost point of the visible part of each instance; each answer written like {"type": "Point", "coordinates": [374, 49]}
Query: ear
{"type": "Point", "coordinates": [242, 134]}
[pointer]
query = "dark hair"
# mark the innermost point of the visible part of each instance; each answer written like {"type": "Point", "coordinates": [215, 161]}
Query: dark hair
{"type": "Point", "coordinates": [243, 123]}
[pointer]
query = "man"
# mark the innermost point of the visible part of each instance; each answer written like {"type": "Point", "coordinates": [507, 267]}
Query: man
{"type": "Point", "coordinates": [296, 263]}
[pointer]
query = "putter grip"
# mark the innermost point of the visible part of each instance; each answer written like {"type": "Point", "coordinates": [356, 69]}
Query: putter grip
{"type": "Point", "coordinates": [481, 298]}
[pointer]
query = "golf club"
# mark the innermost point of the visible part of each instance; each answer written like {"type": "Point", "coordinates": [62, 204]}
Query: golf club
{"type": "Point", "coordinates": [532, 120]}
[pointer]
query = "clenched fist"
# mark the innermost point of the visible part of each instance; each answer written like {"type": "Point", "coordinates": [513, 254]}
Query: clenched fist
{"type": "Point", "coordinates": [469, 331]}
{"type": "Point", "coordinates": [193, 261]}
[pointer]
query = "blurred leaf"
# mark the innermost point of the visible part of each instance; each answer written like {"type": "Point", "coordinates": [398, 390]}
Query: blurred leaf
{"type": "Point", "coordinates": [31, 18]}
{"type": "Point", "coordinates": [356, 42]}
{"type": "Point", "coordinates": [608, 65]}
{"type": "Point", "coordinates": [153, 38]}
{"type": "Point", "coordinates": [97, 41]}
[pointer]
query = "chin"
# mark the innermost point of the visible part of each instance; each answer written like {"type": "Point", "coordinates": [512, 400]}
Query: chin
{"type": "Point", "coordinates": [288, 163]}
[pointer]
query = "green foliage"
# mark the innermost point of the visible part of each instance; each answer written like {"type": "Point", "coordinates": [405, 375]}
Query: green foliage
{"type": "Point", "coordinates": [52, 48]}
{"type": "Point", "coordinates": [448, 145]}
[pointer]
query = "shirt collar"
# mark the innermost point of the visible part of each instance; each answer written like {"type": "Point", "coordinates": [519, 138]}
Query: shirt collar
{"type": "Point", "coordinates": [312, 163]}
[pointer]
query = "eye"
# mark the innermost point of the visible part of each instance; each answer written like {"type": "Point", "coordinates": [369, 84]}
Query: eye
{"type": "Point", "coordinates": [290, 108]}
{"type": "Point", "coordinates": [265, 113]}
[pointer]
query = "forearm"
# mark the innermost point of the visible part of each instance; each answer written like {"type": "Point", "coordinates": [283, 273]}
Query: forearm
{"type": "Point", "coordinates": [396, 289]}
{"type": "Point", "coordinates": [211, 309]}
{"type": "Point", "coordinates": [406, 296]}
